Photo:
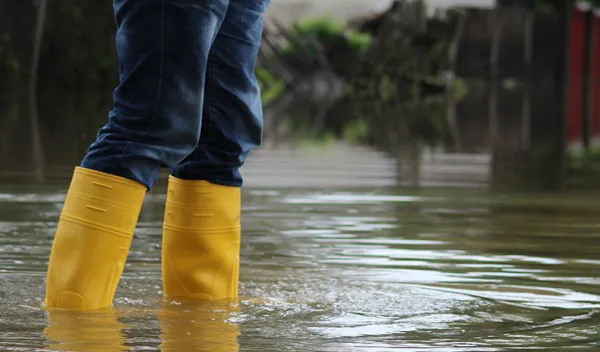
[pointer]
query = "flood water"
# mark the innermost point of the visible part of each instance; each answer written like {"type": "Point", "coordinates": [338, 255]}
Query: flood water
{"type": "Point", "coordinates": [335, 270]}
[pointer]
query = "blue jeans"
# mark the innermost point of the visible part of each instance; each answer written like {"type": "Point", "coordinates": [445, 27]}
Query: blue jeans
{"type": "Point", "coordinates": [188, 99]}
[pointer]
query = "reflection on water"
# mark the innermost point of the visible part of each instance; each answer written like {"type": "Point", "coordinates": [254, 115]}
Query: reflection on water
{"type": "Point", "coordinates": [335, 271]}
{"type": "Point", "coordinates": [203, 327]}
{"type": "Point", "coordinates": [197, 326]}
{"type": "Point", "coordinates": [92, 331]}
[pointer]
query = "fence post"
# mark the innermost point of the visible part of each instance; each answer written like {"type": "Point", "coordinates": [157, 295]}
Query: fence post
{"type": "Point", "coordinates": [565, 9]}
{"type": "Point", "coordinates": [587, 78]}
{"type": "Point", "coordinates": [36, 140]}
{"type": "Point", "coordinates": [529, 25]}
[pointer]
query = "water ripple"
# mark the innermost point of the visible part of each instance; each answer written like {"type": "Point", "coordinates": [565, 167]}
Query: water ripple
{"type": "Point", "coordinates": [335, 271]}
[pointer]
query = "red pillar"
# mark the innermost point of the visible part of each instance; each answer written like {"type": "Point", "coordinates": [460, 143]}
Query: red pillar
{"type": "Point", "coordinates": [596, 80]}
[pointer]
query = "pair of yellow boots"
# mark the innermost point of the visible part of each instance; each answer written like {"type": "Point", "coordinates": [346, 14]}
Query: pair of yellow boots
{"type": "Point", "coordinates": [200, 249]}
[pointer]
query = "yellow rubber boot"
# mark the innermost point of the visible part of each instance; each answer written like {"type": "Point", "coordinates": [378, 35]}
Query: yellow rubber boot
{"type": "Point", "coordinates": [92, 240]}
{"type": "Point", "coordinates": [201, 240]}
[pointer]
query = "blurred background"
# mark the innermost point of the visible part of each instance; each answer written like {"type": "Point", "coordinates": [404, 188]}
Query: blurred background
{"type": "Point", "coordinates": [474, 93]}
{"type": "Point", "coordinates": [429, 181]}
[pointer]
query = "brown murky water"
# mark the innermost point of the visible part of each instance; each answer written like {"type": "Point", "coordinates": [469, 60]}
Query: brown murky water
{"type": "Point", "coordinates": [335, 270]}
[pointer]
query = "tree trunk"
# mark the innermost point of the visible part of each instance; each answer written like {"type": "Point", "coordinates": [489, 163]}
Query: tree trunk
{"type": "Point", "coordinates": [497, 24]}
{"type": "Point", "coordinates": [453, 52]}
{"type": "Point", "coordinates": [562, 85]}
{"type": "Point", "coordinates": [587, 81]}
{"type": "Point", "coordinates": [528, 63]}
{"type": "Point", "coordinates": [36, 139]}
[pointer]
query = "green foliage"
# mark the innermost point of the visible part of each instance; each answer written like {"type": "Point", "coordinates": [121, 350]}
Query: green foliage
{"type": "Point", "coordinates": [322, 140]}
{"type": "Point", "coordinates": [79, 54]}
{"type": "Point", "coordinates": [580, 157]}
{"type": "Point", "coordinates": [11, 68]}
{"type": "Point", "coordinates": [79, 46]}
{"type": "Point", "coordinates": [10, 112]}
{"type": "Point", "coordinates": [271, 87]}
{"type": "Point", "coordinates": [583, 168]}
{"type": "Point", "coordinates": [322, 29]}
{"type": "Point", "coordinates": [356, 131]}
{"type": "Point", "coordinates": [325, 31]}
{"type": "Point", "coordinates": [359, 41]}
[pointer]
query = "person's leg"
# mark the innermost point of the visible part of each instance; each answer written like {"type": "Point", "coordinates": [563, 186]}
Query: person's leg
{"type": "Point", "coordinates": [201, 238]}
{"type": "Point", "coordinates": [163, 47]}
{"type": "Point", "coordinates": [232, 124]}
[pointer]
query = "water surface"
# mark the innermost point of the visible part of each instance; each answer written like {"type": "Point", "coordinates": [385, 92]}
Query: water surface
{"type": "Point", "coordinates": [335, 270]}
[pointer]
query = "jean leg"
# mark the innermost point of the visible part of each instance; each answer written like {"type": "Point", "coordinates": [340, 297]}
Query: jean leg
{"type": "Point", "coordinates": [232, 114]}
{"type": "Point", "coordinates": [163, 48]}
